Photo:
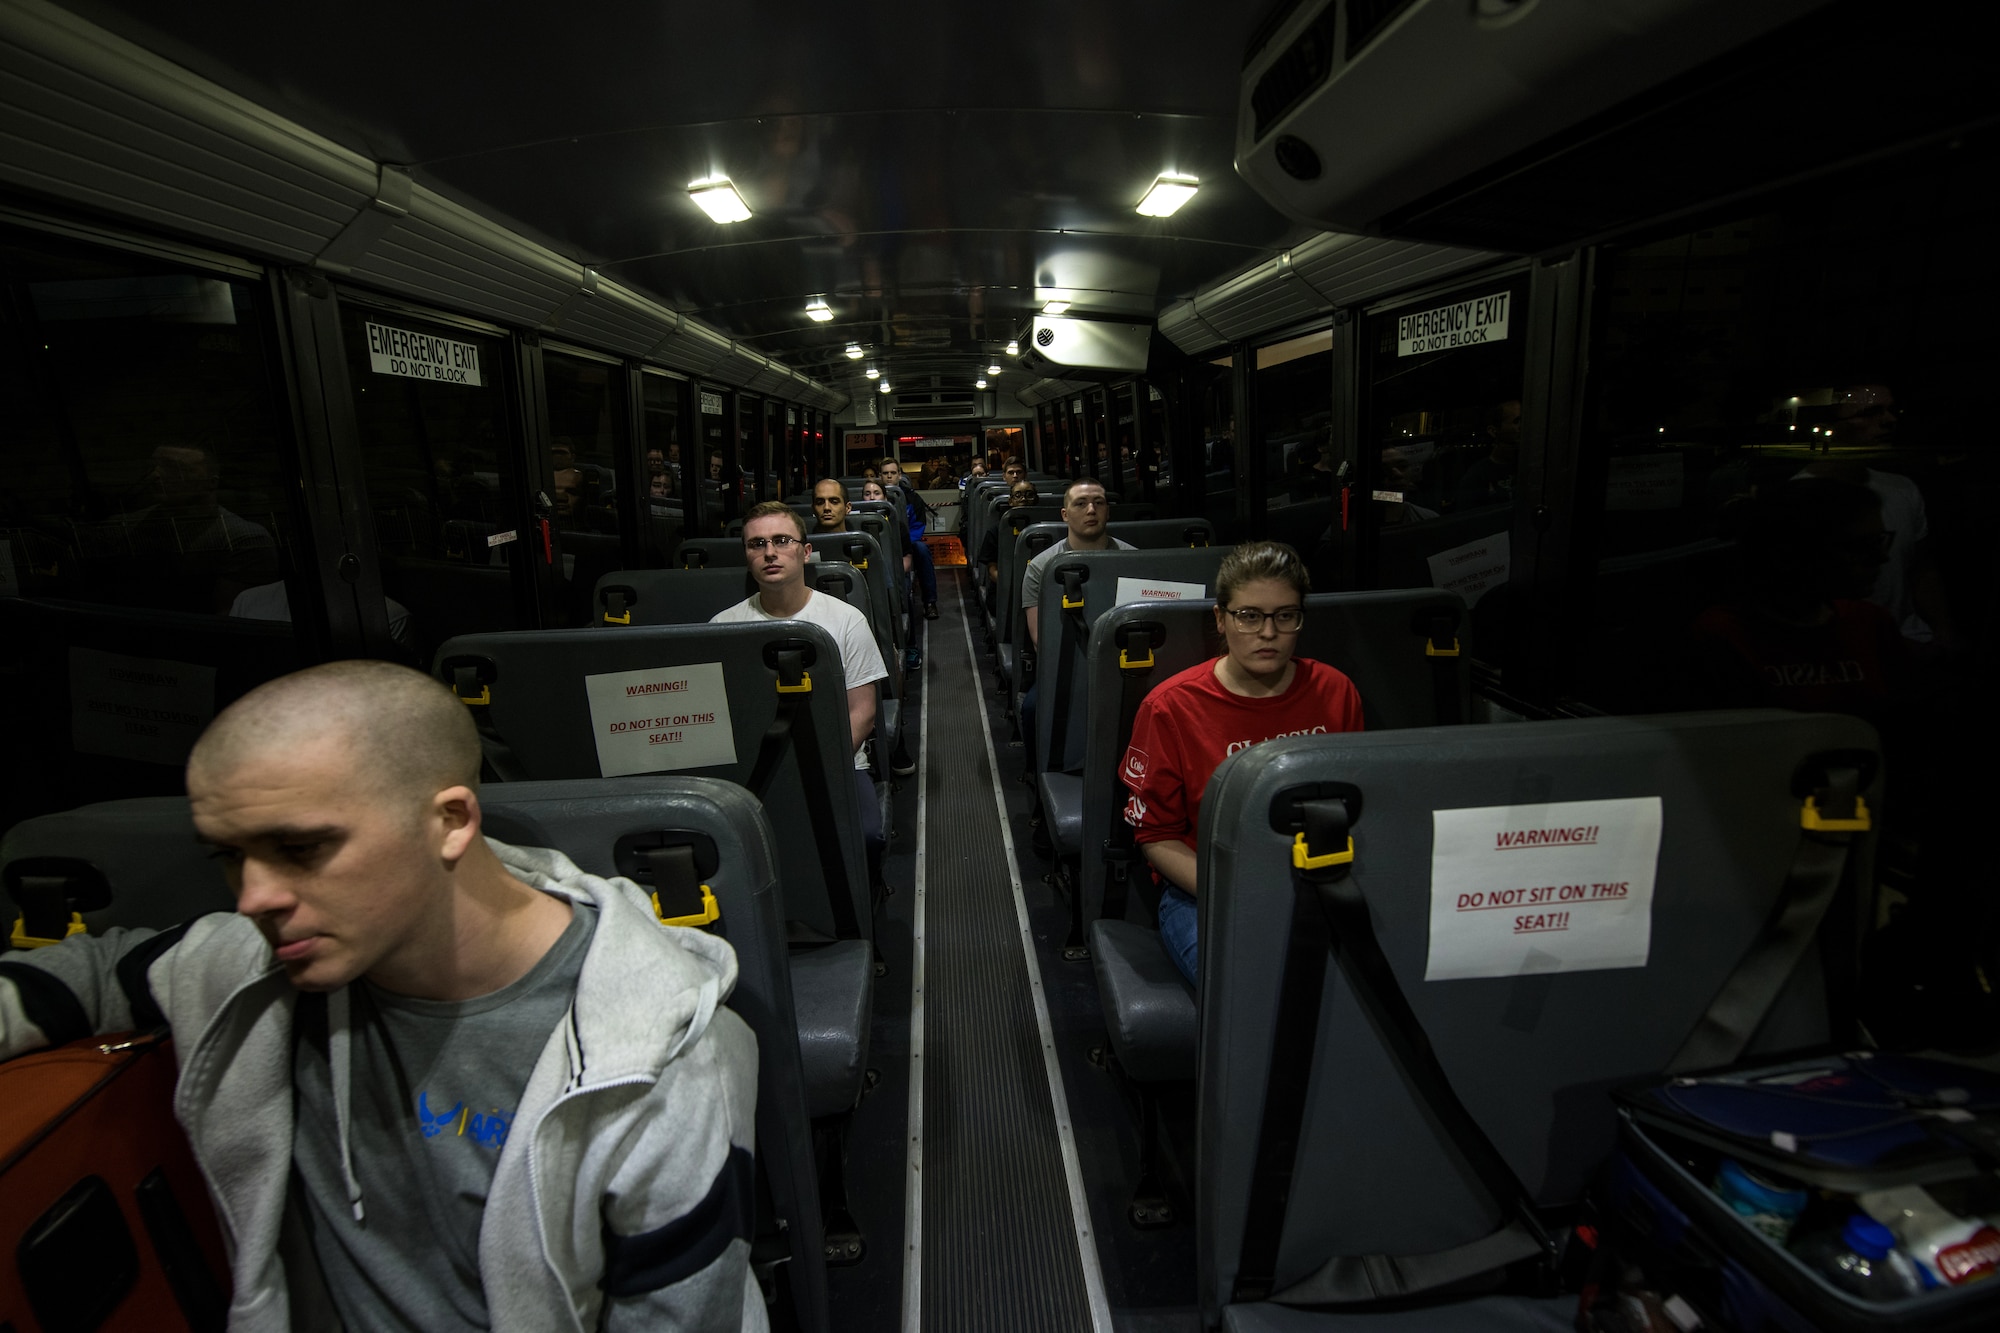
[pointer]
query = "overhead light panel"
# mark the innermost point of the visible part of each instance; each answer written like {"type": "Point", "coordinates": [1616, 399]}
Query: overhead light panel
{"type": "Point", "coordinates": [883, 387]}
{"type": "Point", "coordinates": [872, 373]}
{"type": "Point", "coordinates": [993, 370]}
{"type": "Point", "coordinates": [1013, 348]}
{"type": "Point", "coordinates": [818, 311]}
{"type": "Point", "coordinates": [1170, 190]}
{"type": "Point", "coordinates": [718, 199]}
{"type": "Point", "coordinates": [1055, 307]}
{"type": "Point", "coordinates": [979, 384]}
{"type": "Point", "coordinates": [854, 351]}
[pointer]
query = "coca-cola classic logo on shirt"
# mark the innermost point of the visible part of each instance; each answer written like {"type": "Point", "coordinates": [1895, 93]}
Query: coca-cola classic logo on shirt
{"type": "Point", "coordinates": [1135, 765]}
{"type": "Point", "coordinates": [1235, 746]}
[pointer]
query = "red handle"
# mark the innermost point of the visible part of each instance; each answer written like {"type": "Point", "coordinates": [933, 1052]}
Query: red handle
{"type": "Point", "coordinates": [1346, 492]}
{"type": "Point", "coordinates": [548, 546]}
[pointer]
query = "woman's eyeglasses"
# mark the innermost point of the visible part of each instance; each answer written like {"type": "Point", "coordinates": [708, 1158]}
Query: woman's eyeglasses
{"type": "Point", "coordinates": [783, 541]}
{"type": "Point", "coordinates": [1250, 620]}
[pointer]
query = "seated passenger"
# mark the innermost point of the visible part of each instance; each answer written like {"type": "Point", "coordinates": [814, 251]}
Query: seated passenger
{"type": "Point", "coordinates": [417, 1066]}
{"type": "Point", "coordinates": [1256, 691]}
{"type": "Point", "coordinates": [1801, 633]}
{"type": "Point", "coordinates": [774, 543]}
{"type": "Point", "coordinates": [919, 559]}
{"type": "Point", "coordinates": [1020, 496]}
{"type": "Point", "coordinates": [830, 505]}
{"type": "Point", "coordinates": [872, 490]}
{"type": "Point", "coordinates": [1087, 513]}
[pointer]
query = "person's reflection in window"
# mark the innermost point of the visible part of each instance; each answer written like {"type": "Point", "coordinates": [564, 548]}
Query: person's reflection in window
{"type": "Point", "coordinates": [1402, 474]}
{"type": "Point", "coordinates": [659, 484]}
{"type": "Point", "coordinates": [1490, 480]}
{"type": "Point", "coordinates": [210, 554]}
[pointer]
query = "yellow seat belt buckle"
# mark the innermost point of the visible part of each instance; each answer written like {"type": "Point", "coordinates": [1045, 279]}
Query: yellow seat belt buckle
{"type": "Point", "coordinates": [1432, 650]}
{"type": "Point", "coordinates": [1068, 605]}
{"type": "Point", "coordinates": [805, 685]}
{"type": "Point", "coordinates": [485, 697]}
{"type": "Point", "coordinates": [21, 939]}
{"type": "Point", "coordinates": [1813, 821]}
{"type": "Point", "coordinates": [711, 910]}
{"type": "Point", "coordinates": [1125, 663]}
{"type": "Point", "coordinates": [1302, 858]}
{"type": "Point", "coordinates": [610, 619]}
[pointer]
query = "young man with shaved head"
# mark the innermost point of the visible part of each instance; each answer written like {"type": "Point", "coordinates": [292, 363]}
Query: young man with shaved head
{"type": "Point", "coordinates": [434, 1081]}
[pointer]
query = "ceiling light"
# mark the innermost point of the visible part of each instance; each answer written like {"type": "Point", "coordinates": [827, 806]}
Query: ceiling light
{"type": "Point", "coordinates": [854, 351]}
{"type": "Point", "coordinates": [979, 384]}
{"type": "Point", "coordinates": [817, 310]}
{"type": "Point", "coordinates": [1170, 190]}
{"type": "Point", "coordinates": [1055, 307]}
{"type": "Point", "coordinates": [718, 199]}
{"type": "Point", "coordinates": [993, 370]}
{"type": "Point", "coordinates": [872, 373]}
{"type": "Point", "coordinates": [1013, 348]}
{"type": "Point", "coordinates": [883, 387]}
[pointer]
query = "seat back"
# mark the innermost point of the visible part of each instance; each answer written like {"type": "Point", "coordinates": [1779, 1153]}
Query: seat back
{"type": "Point", "coordinates": [1533, 1053]}
{"type": "Point", "coordinates": [670, 596]}
{"type": "Point", "coordinates": [1013, 558]}
{"type": "Point", "coordinates": [588, 703]}
{"type": "Point", "coordinates": [1103, 579]}
{"type": "Point", "coordinates": [119, 863]}
{"type": "Point", "coordinates": [714, 553]}
{"type": "Point", "coordinates": [602, 825]}
{"type": "Point", "coordinates": [1379, 639]}
{"type": "Point", "coordinates": [865, 554]}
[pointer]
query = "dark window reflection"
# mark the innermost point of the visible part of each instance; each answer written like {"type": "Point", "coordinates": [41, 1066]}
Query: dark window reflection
{"type": "Point", "coordinates": [585, 399]}
{"type": "Point", "coordinates": [661, 509]}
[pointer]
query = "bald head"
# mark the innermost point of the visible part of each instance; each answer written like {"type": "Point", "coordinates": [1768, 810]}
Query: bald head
{"type": "Point", "coordinates": [402, 734]}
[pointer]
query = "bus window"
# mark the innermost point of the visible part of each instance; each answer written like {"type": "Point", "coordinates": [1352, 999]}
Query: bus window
{"type": "Point", "coordinates": [661, 505]}
{"type": "Point", "coordinates": [584, 397]}
{"type": "Point", "coordinates": [717, 460]}
{"type": "Point", "coordinates": [1294, 399]}
{"type": "Point", "coordinates": [1215, 394]}
{"type": "Point", "coordinates": [1440, 438]}
{"type": "Point", "coordinates": [430, 408]}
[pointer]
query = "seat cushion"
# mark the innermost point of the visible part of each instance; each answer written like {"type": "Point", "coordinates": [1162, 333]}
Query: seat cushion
{"type": "Point", "coordinates": [892, 719]}
{"type": "Point", "coordinates": [831, 987]}
{"type": "Point", "coordinates": [1006, 656]}
{"type": "Point", "coordinates": [1062, 811]}
{"type": "Point", "coordinates": [1487, 1314]}
{"type": "Point", "coordinates": [1148, 1006]}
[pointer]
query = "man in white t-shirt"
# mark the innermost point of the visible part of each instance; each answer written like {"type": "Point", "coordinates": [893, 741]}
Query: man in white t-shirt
{"type": "Point", "coordinates": [774, 543]}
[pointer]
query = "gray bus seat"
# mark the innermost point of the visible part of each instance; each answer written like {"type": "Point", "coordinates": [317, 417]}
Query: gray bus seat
{"type": "Point", "coordinates": [1009, 562]}
{"type": "Point", "coordinates": [1530, 1055]}
{"type": "Point", "coordinates": [865, 552]}
{"type": "Point", "coordinates": [601, 824]}
{"type": "Point", "coordinates": [837, 578]}
{"type": "Point", "coordinates": [713, 553]}
{"type": "Point", "coordinates": [633, 597]}
{"type": "Point", "coordinates": [527, 690]}
{"type": "Point", "coordinates": [116, 863]}
{"type": "Point", "coordinates": [1149, 1009]}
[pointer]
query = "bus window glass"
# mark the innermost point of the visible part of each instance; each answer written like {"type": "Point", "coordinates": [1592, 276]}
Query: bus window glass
{"type": "Point", "coordinates": [1155, 458]}
{"type": "Point", "coordinates": [713, 462]}
{"type": "Point", "coordinates": [584, 446]}
{"type": "Point", "coordinates": [1440, 438]}
{"type": "Point", "coordinates": [150, 555]}
{"type": "Point", "coordinates": [1294, 399]}
{"type": "Point", "coordinates": [661, 508]}
{"type": "Point", "coordinates": [1216, 395]}
{"type": "Point", "coordinates": [430, 408]}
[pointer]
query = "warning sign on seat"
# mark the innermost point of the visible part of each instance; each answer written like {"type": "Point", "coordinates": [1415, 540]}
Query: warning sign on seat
{"type": "Point", "coordinates": [1474, 569]}
{"type": "Point", "coordinates": [1158, 590]}
{"type": "Point", "coordinates": [660, 719]}
{"type": "Point", "coordinates": [421, 356]}
{"type": "Point", "coordinates": [1566, 887]}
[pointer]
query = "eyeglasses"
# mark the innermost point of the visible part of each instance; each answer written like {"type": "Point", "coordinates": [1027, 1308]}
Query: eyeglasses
{"type": "Point", "coordinates": [784, 541]}
{"type": "Point", "coordinates": [1089, 502]}
{"type": "Point", "coordinates": [1250, 620]}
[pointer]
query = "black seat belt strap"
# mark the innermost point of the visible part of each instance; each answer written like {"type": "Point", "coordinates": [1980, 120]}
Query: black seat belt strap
{"type": "Point", "coordinates": [472, 682]}
{"type": "Point", "coordinates": [1323, 890]}
{"type": "Point", "coordinates": [1441, 650]}
{"type": "Point", "coordinates": [1136, 668]}
{"type": "Point", "coordinates": [1077, 639]}
{"type": "Point", "coordinates": [793, 726]}
{"type": "Point", "coordinates": [1828, 819]}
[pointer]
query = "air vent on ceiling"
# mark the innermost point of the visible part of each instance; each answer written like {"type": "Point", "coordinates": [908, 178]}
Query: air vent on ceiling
{"type": "Point", "coordinates": [1302, 68]}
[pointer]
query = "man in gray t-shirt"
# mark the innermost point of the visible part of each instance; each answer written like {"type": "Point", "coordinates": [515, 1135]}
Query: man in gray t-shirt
{"type": "Point", "coordinates": [1088, 514]}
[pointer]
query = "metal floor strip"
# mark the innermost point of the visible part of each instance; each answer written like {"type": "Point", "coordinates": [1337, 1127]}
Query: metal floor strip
{"type": "Point", "coordinates": [999, 1236]}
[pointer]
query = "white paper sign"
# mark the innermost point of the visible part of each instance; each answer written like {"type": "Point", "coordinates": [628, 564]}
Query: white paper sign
{"type": "Point", "coordinates": [1460, 324]}
{"type": "Point", "coordinates": [142, 708]}
{"type": "Point", "coordinates": [421, 356]}
{"type": "Point", "coordinates": [1155, 590]}
{"type": "Point", "coordinates": [10, 582]}
{"type": "Point", "coordinates": [1472, 570]}
{"type": "Point", "coordinates": [1563, 887]}
{"type": "Point", "coordinates": [660, 719]}
{"type": "Point", "coordinates": [1644, 481]}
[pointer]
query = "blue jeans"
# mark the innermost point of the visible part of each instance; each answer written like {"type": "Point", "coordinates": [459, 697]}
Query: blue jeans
{"type": "Point", "coordinates": [1180, 931]}
{"type": "Point", "coordinates": [924, 568]}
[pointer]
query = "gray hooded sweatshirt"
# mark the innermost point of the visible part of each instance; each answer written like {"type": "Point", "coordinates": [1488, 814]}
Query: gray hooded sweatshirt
{"type": "Point", "coordinates": [622, 1200]}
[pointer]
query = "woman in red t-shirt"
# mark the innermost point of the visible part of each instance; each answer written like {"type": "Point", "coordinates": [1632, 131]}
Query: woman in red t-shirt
{"type": "Point", "coordinates": [1256, 691]}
